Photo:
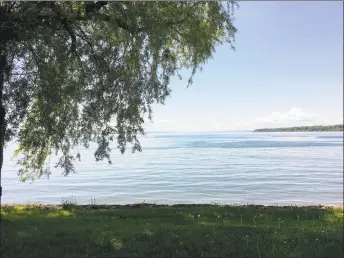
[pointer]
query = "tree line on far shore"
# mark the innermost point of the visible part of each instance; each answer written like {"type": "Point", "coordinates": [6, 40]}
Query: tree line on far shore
{"type": "Point", "coordinates": [315, 128]}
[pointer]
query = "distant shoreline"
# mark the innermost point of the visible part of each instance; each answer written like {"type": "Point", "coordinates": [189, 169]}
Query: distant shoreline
{"type": "Point", "coordinates": [315, 128]}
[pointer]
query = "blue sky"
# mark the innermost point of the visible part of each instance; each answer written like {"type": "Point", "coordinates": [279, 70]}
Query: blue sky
{"type": "Point", "coordinates": [287, 70]}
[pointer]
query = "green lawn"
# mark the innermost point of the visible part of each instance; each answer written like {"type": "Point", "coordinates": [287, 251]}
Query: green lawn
{"type": "Point", "coordinates": [171, 231]}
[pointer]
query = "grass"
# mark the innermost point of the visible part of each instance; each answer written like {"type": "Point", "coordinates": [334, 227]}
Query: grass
{"type": "Point", "coordinates": [148, 230]}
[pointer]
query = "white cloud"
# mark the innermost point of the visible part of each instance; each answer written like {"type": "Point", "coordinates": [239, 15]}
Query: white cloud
{"type": "Point", "coordinates": [219, 122]}
{"type": "Point", "coordinates": [293, 117]}
{"type": "Point", "coordinates": [162, 125]}
{"type": "Point", "coordinates": [164, 122]}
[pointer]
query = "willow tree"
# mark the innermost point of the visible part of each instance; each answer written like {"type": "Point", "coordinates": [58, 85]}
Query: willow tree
{"type": "Point", "coordinates": [72, 73]}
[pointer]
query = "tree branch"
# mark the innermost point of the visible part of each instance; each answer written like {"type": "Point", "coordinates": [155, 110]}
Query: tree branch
{"type": "Point", "coordinates": [91, 7]}
{"type": "Point", "coordinates": [66, 25]}
{"type": "Point", "coordinates": [23, 74]}
{"type": "Point", "coordinates": [11, 26]}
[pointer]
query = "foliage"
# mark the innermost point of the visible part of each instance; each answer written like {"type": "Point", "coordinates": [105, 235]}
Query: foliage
{"type": "Point", "coordinates": [69, 203]}
{"type": "Point", "coordinates": [81, 72]}
{"type": "Point", "coordinates": [175, 231]}
{"type": "Point", "coordinates": [315, 128]}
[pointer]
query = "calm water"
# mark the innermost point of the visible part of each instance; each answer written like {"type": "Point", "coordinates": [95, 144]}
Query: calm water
{"type": "Point", "coordinates": [260, 168]}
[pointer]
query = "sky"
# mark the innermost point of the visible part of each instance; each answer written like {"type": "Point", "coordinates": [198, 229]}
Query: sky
{"type": "Point", "coordinates": [287, 70]}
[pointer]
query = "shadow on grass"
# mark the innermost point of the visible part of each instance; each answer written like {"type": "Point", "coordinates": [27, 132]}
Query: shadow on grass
{"type": "Point", "coordinates": [177, 231]}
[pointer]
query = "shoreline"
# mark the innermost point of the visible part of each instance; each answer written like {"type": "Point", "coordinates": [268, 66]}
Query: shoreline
{"type": "Point", "coordinates": [153, 205]}
{"type": "Point", "coordinates": [305, 128]}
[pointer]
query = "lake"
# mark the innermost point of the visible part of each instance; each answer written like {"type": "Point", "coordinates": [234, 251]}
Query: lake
{"type": "Point", "coordinates": [223, 167]}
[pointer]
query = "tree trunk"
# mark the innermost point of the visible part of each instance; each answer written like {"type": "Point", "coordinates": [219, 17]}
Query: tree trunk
{"type": "Point", "coordinates": [2, 114]}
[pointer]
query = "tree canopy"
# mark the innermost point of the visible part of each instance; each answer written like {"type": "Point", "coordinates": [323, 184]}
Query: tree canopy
{"type": "Point", "coordinates": [72, 73]}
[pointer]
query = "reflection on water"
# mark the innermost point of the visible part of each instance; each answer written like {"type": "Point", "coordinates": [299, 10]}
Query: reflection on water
{"type": "Point", "coordinates": [261, 168]}
{"type": "Point", "coordinates": [262, 144]}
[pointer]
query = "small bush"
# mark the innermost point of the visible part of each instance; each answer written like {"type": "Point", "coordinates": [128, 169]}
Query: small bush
{"type": "Point", "coordinates": [69, 203]}
{"type": "Point", "coordinates": [93, 203]}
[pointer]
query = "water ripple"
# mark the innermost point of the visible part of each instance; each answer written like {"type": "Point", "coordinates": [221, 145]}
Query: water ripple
{"type": "Point", "coordinates": [298, 168]}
